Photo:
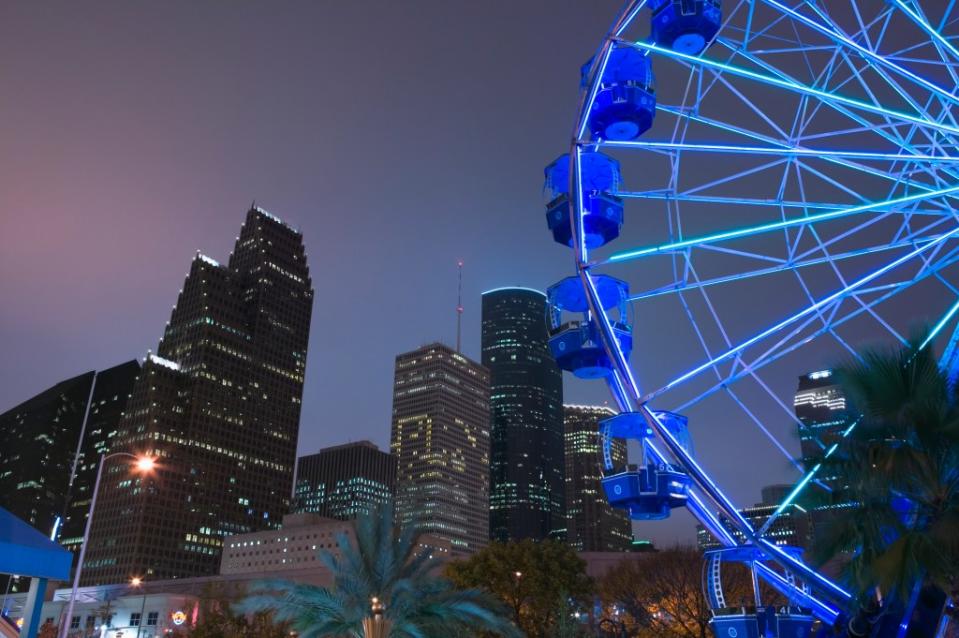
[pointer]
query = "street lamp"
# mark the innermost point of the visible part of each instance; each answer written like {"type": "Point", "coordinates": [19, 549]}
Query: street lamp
{"type": "Point", "coordinates": [143, 464]}
{"type": "Point", "coordinates": [377, 626]}
{"type": "Point", "coordinates": [517, 599]}
{"type": "Point", "coordinates": [136, 581]}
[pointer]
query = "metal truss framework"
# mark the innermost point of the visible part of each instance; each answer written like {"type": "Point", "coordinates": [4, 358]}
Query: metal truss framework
{"type": "Point", "coordinates": [861, 160]}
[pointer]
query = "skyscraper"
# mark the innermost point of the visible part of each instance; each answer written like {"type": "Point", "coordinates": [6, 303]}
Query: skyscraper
{"type": "Point", "coordinates": [345, 480]}
{"type": "Point", "coordinates": [527, 471]}
{"type": "Point", "coordinates": [591, 524]}
{"type": "Point", "coordinates": [821, 409]}
{"type": "Point", "coordinates": [440, 437]}
{"type": "Point", "coordinates": [219, 405]}
{"type": "Point", "coordinates": [41, 438]}
{"type": "Point", "coordinates": [111, 391]}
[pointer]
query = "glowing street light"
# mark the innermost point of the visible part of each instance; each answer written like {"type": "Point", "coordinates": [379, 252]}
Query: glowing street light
{"type": "Point", "coordinates": [136, 581]}
{"type": "Point", "coordinates": [143, 464]}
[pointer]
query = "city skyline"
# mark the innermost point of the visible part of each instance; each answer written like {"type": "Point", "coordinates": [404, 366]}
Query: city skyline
{"type": "Point", "coordinates": [91, 262]}
{"type": "Point", "coordinates": [217, 407]}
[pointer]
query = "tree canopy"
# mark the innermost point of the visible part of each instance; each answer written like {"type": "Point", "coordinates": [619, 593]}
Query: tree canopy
{"type": "Point", "coordinates": [536, 580]}
{"type": "Point", "coordinates": [391, 567]}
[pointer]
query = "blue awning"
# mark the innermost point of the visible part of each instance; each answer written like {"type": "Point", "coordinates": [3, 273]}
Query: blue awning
{"type": "Point", "coordinates": [26, 552]}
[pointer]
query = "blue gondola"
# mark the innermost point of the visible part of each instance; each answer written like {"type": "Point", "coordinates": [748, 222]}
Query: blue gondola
{"type": "Point", "coordinates": [736, 619]}
{"type": "Point", "coordinates": [602, 210]}
{"type": "Point", "coordinates": [686, 26]}
{"type": "Point", "coordinates": [625, 103]}
{"type": "Point", "coordinates": [648, 493]}
{"type": "Point", "coordinates": [577, 344]}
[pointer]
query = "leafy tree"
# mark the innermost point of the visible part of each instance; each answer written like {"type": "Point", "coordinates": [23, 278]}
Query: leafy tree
{"type": "Point", "coordinates": [900, 469]}
{"type": "Point", "coordinates": [660, 594]}
{"type": "Point", "coordinates": [533, 579]}
{"type": "Point", "coordinates": [388, 566]}
{"type": "Point", "coordinates": [217, 618]}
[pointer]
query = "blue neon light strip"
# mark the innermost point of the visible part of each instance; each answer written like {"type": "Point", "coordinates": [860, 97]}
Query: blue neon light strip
{"type": "Point", "coordinates": [595, 80]}
{"type": "Point", "coordinates": [896, 140]}
{"type": "Point", "coordinates": [939, 326]}
{"type": "Point", "coordinates": [776, 269]}
{"type": "Point", "coordinates": [767, 359]}
{"type": "Point", "coordinates": [794, 86]}
{"type": "Point", "coordinates": [801, 485]}
{"type": "Point", "coordinates": [765, 228]}
{"type": "Point", "coordinates": [899, 179]}
{"type": "Point", "coordinates": [716, 199]}
{"type": "Point", "coordinates": [925, 26]}
{"type": "Point", "coordinates": [697, 473]}
{"type": "Point", "coordinates": [624, 22]}
{"type": "Point", "coordinates": [821, 610]}
{"type": "Point", "coordinates": [871, 55]}
{"type": "Point", "coordinates": [805, 311]}
{"type": "Point", "coordinates": [788, 151]}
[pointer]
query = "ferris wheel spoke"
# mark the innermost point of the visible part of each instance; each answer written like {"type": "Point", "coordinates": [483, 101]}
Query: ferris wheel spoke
{"type": "Point", "coordinates": [627, 16]}
{"type": "Point", "coordinates": [793, 151]}
{"type": "Point", "coordinates": [791, 86]}
{"type": "Point", "coordinates": [857, 74]}
{"type": "Point", "coordinates": [835, 104]}
{"type": "Point", "coordinates": [826, 301]}
{"type": "Point", "coordinates": [681, 112]}
{"type": "Point", "coordinates": [920, 21]}
{"type": "Point", "coordinates": [890, 205]}
{"type": "Point", "coordinates": [785, 347]}
{"type": "Point", "coordinates": [877, 60]}
{"type": "Point", "coordinates": [762, 428]}
{"type": "Point", "coordinates": [739, 201]}
{"type": "Point", "coordinates": [682, 286]}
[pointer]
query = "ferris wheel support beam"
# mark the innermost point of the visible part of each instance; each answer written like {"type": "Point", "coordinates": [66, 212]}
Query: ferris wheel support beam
{"type": "Point", "coordinates": [773, 353]}
{"type": "Point", "coordinates": [839, 294]}
{"type": "Point", "coordinates": [786, 265]}
{"type": "Point", "coordinates": [794, 151]}
{"type": "Point", "coordinates": [685, 114]}
{"type": "Point", "coordinates": [895, 138]}
{"type": "Point", "coordinates": [699, 476]}
{"type": "Point", "coordinates": [773, 226]}
{"type": "Point", "coordinates": [923, 24]}
{"type": "Point", "coordinates": [872, 56]}
{"type": "Point", "coordinates": [796, 87]}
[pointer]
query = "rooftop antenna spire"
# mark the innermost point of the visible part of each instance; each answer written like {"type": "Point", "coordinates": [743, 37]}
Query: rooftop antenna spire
{"type": "Point", "coordinates": [459, 306]}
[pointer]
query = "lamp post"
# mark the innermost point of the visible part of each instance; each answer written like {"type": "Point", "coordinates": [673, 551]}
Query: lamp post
{"type": "Point", "coordinates": [517, 599]}
{"type": "Point", "coordinates": [137, 582]}
{"type": "Point", "coordinates": [377, 626]}
{"type": "Point", "coordinates": [144, 464]}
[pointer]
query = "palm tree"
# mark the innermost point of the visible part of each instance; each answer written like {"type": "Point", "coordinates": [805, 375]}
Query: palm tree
{"type": "Point", "coordinates": [899, 472]}
{"type": "Point", "coordinates": [386, 569]}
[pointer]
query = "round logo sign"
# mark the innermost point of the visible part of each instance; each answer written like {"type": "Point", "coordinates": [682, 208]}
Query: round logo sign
{"type": "Point", "coordinates": [178, 618]}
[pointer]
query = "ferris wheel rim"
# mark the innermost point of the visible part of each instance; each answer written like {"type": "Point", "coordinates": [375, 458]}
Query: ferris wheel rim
{"type": "Point", "coordinates": [927, 244]}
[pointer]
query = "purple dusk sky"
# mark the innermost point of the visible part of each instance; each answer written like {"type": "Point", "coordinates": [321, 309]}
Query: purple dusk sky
{"type": "Point", "coordinates": [398, 136]}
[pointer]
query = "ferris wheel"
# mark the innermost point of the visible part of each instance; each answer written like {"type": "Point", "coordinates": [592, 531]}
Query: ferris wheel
{"type": "Point", "coordinates": [751, 187]}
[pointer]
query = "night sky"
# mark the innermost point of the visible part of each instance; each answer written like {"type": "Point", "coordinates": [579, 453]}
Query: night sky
{"type": "Point", "coordinates": [399, 137]}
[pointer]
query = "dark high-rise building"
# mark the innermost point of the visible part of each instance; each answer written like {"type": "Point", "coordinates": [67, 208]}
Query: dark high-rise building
{"type": "Point", "coordinates": [793, 527]}
{"type": "Point", "coordinates": [219, 406]}
{"type": "Point", "coordinates": [591, 524]}
{"type": "Point", "coordinates": [527, 472]}
{"type": "Point", "coordinates": [41, 439]}
{"type": "Point", "coordinates": [440, 438]}
{"type": "Point", "coordinates": [344, 481]}
{"type": "Point", "coordinates": [821, 409]}
{"type": "Point", "coordinates": [111, 391]}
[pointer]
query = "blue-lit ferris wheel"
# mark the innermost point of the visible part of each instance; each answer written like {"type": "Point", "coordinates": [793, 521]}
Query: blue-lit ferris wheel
{"type": "Point", "coordinates": [750, 188]}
